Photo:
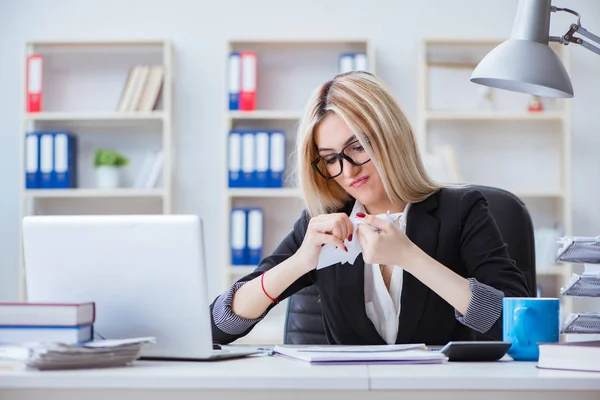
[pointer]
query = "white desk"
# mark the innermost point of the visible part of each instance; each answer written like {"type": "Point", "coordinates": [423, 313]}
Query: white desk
{"type": "Point", "coordinates": [268, 378]}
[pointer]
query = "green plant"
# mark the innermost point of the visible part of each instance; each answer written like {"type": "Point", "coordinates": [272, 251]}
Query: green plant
{"type": "Point", "coordinates": [109, 158]}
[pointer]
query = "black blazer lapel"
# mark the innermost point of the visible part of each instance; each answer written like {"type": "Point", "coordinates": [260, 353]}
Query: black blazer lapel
{"type": "Point", "coordinates": [422, 229]}
{"type": "Point", "coordinates": [350, 284]}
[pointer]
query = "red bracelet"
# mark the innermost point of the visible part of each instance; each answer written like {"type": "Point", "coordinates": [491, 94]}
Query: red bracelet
{"type": "Point", "coordinates": [262, 277]}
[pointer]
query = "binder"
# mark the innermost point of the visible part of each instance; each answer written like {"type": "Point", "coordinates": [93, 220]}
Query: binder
{"type": "Point", "coordinates": [239, 233]}
{"type": "Point", "coordinates": [234, 80]}
{"type": "Point", "coordinates": [277, 159]}
{"type": "Point", "coordinates": [255, 236]}
{"type": "Point", "coordinates": [360, 62]}
{"type": "Point", "coordinates": [35, 66]}
{"type": "Point", "coordinates": [346, 62]}
{"type": "Point", "coordinates": [248, 159]}
{"type": "Point", "coordinates": [65, 161]}
{"type": "Point", "coordinates": [249, 78]}
{"type": "Point", "coordinates": [235, 160]}
{"type": "Point", "coordinates": [261, 144]}
{"type": "Point", "coordinates": [32, 161]}
{"type": "Point", "coordinates": [46, 160]}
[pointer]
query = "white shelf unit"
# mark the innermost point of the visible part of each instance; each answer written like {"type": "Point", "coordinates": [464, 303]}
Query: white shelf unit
{"type": "Point", "coordinates": [503, 145]}
{"type": "Point", "coordinates": [82, 85]}
{"type": "Point", "coordinates": [288, 71]}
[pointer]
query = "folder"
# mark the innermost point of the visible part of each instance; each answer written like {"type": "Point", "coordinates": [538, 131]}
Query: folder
{"type": "Point", "coordinates": [234, 80]}
{"type": "Point", "coordinates": [261, 144]}
{"type": "Point", "coordinates": [65, 161]}
{"type": "Point", "coordinates": [248, 159]}
{"type": "Point", "coordinates": [235, 160]}
{"type": "Point", "coordinates": [35, 67]}
{"type": "Point", "coordinates": [238, 237]}
{"type": "Point", "coordinates": [255, 236]}
{"type": "Point", "coordinates": [346, 62]}
{"type": "Point", "coordinates": [360, 62]}
{"type": "Point", "coordinates": [249, 78]}
{"type": "Point", "coordinates": [276, 159]}
{"type": "Point", "coordinates": [46, 160]}
{"type": "Point", "coordinates": [32, 161]}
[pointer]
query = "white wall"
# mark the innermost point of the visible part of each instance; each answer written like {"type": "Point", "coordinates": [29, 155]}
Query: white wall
{"type": "Point", "coordinates": [199, 32]}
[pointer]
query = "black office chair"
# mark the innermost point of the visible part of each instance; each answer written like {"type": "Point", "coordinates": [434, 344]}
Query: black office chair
{"type": "Point", "coordinates": [304, 321]}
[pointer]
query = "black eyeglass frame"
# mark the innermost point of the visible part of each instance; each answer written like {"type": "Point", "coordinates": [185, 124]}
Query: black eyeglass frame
{"type": "Point", "coordinates": [339, 157]}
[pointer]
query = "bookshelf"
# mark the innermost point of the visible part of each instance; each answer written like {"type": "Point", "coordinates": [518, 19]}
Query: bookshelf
{"type": "Point", "coordinates": [499, 142]}
{"type": "Point", "coordinates": [287, 72]}
{"type": "Point", "coordinates": [83, 82]}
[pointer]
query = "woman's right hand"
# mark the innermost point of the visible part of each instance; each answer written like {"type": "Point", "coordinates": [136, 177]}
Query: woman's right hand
{"type": "Point", "coordinates": [324, 229]}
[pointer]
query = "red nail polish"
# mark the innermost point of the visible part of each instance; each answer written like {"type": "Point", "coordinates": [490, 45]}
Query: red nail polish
{"type": "Point", "coordinates": [350, 238]}
{"type": "Point", "coordinates": [346, 249]}
{"type": "Point", "coordinates": [360, 215]}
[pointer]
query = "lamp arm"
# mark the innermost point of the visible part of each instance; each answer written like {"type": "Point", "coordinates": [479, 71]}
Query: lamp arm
{"type": "Point", "coordinates": [569, 38]}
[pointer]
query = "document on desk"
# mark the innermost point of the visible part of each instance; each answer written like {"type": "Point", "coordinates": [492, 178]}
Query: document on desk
{"type": "Point", "coordinates": [363, 349]}
{"type": "Point", "coordinates": [407, 356]}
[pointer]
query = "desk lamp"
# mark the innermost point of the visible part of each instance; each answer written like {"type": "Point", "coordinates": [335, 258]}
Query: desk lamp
{"type": "Point", "coordinates": [525, 63]}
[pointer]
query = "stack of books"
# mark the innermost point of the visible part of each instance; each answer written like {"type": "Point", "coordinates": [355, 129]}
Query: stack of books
{"type": "Point", "coordinates": [23, 322]}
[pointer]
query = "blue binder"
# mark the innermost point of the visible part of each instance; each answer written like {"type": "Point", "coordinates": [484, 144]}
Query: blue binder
{"type": "Point", "coordinates": [65, 161]}
{"type": "Point", "coordinates": [239, 234]}
{"type": "Point", "coordinates": [235, 78]}
{"type": "Point", "coordinates": [46, 160]}
{"type": "Point", "coordinates": [255, 235]}
{"type": "Point", "coordinates": [235, 160]}
{"type": "Point", "coordinates": [261, 144]}
{"type": "Point", "coordinates": [32, 161]}
{"type": "Point", "coordinates": [276, 159]}
{"type": "Point", "coordinates": [248, 159]}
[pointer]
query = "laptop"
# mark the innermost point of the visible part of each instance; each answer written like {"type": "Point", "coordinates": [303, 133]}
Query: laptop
{"type": "Point", "coordinates": [146, 274]}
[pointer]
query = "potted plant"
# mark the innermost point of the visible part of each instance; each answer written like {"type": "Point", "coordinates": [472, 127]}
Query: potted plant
{"type": "Point", "coordinates": [108, 164]}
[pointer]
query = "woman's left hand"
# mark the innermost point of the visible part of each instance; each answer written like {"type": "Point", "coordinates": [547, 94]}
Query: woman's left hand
{"type": "Point", "coordinates": [389, 246]}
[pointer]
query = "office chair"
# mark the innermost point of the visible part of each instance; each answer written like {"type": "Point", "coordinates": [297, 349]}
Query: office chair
{"type": "Point", "coordinates": [304, 321]}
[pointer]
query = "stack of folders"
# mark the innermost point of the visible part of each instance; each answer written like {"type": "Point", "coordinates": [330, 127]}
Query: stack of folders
{"type": "Point", "coordinates": [22, 322]}
{"type": "Point", "coordinates": [50, 160]}
{"type": "Point", "coordinates": [142, 88]}
{"type": "Point", "coordinates": [256, 159]}
{"type": "Point", "coordinates": [246, 236]}
{"type": "Point", "coordinates": [242, 80]}
{"type": "Point", "coordinates": [353, 62]}
{"type": "Point", "coordinates": [385, 354]}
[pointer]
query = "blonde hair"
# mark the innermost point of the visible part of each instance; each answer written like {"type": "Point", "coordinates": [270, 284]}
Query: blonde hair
{"type": "Point", "coordinates": [368, 108]}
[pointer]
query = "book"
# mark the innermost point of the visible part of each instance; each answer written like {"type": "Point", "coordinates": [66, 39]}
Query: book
{"type": "Point", "coordinates": [573, 356]}
{"type": "Point", "coordinates": [46, 314]}
{"type": "Point", "coordinates": [46, 334]}
{"type": "Point", "coordinates": [329, 355]}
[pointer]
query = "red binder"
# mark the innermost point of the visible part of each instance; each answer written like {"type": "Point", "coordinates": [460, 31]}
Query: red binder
{"type": "Point", "coordinates": [34, 82]}
{"type": "Point", "coordinates": [249, 78]}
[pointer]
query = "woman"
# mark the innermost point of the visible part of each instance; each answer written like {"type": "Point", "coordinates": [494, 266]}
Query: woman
{"type": "Point", "coordinates": [433, 267]}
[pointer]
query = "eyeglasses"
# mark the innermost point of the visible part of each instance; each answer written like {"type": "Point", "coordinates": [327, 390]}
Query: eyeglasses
{"type": "Point", "coordinates": [330, 165]}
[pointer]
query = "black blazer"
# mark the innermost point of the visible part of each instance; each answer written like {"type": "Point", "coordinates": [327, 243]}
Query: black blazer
{"type": "Point", "coordinates": [455, 227]}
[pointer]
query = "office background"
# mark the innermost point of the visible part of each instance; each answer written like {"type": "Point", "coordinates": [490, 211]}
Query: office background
{"type": "Point", "coordinates": [199, 32]}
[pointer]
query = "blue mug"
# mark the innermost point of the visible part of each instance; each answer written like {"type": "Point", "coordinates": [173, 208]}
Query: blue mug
{"type": "Point", "coordinates": [528, 321]}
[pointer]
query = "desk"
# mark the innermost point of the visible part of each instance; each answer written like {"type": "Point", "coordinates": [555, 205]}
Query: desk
{"type": "Point", "coordinates": [270, 378]}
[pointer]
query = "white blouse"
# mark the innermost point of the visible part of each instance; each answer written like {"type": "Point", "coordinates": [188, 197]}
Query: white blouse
{"type": "Point", "coordinates": [383, 307]}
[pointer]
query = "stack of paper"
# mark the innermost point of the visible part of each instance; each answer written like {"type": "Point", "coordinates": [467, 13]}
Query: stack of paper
{"type": "Point", "coordinates": [397, 354]}
{"type": "Point", "coordinates": [95, 354]}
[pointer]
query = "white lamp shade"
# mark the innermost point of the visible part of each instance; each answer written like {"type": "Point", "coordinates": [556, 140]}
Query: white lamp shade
{"type": "Point", "coordinates": [524, 66]}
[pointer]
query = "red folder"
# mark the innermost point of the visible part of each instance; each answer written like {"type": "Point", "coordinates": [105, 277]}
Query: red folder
{"type": "Point", "coordinates": [249, 77]}
{"type": "Point", "coordinates": [34, 82]}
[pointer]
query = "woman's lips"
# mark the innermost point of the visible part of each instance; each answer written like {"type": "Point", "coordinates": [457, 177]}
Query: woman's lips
{"type": "Point", "coordinates": [359, 182]}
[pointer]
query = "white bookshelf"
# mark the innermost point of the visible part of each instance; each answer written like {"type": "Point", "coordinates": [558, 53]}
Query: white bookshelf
{"type": "Point", "coordinates": [83, 82]}
{"type": "Point", "coordinates": [288, 71]}
{"type": "Point", "coordinates": [507, 146]}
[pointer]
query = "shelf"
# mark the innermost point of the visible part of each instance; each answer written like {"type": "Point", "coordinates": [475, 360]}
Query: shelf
{"type": "Point", "coordinates": [99, 43]}
{"type": "Point", "coordinates": [540, 194]}
{"type": "Point", "coordinates": [96, 116]}
{"type": "Point", "coordinates": [241, 270]}
{"type": "Point", "coordinates": [265, 192]}
{"type": "Point", "coordinates": [266, 114]}
{"type": "Point", "coordinates": [93, 193]}
{"type": "Point", "coordinates": [493, 116]}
